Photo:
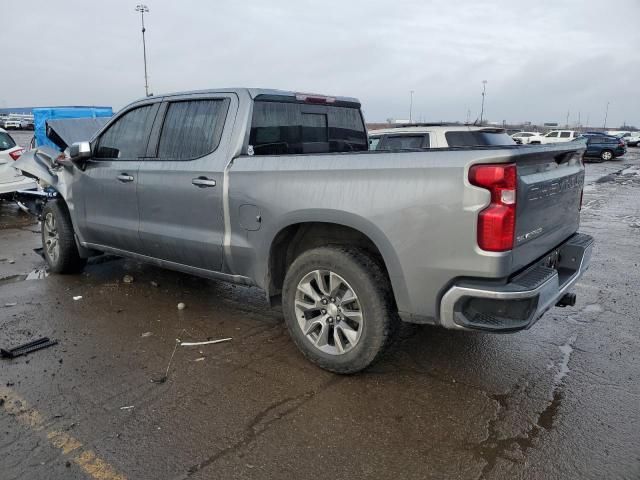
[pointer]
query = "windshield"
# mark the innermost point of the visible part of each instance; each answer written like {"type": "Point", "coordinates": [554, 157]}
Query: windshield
{"type": "Point", "coordinates": [6, 142]}
{"type": "Point", "coordinates": [478, 138]}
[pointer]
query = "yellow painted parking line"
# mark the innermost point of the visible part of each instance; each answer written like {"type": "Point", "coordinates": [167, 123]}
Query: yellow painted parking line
{"type": "Point", "coordinates": [85, 458]}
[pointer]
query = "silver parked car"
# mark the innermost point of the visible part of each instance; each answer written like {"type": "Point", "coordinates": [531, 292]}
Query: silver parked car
{"type": "Point", "coordinates": [278, 189]}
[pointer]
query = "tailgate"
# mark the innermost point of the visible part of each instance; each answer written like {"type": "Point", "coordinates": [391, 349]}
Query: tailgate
{"type": "Point", "coordinates": [550, 181]}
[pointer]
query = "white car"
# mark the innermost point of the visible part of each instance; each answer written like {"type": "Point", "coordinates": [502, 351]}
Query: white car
{"type": "Point", "coordinates": [633, 140]}
{"type": "Point", "coordinates": [11, 123]}
{"type": "Point", "coordinates": [556, 136]}
{"type": "Point", "coordinates": [11, 180]}
{"type": "Point", "coordinates": [424, 136]}
{"type": "Point", "coordinates": [525, 137]}
{"type": "Point", "coordinates": [630, 138]}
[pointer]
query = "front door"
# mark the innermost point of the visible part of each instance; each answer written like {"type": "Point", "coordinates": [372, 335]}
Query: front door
{"type": "Point", "coordinates": [108, 202]}
{"type": "Point", "coordinates": [180, 183]}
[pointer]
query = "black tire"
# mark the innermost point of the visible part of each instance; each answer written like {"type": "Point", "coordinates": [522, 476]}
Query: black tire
{"type": "Point", "coordinates": [66, 258]}
{"type": "Point", "coordinates": [369, 282]}
{"type": "Point", "coordinates": [606, 155]}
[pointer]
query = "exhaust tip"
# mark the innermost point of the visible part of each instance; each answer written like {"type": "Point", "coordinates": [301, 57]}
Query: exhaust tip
{"type": "Point", "coordinates": [567, 300]}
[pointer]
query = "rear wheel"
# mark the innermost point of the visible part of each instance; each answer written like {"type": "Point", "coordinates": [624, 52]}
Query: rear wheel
{"type": "Point", "coordinates": [339, 308]}
{"type": "Point", "coordinates": [58, 241]}
{"type": "Point", "coordinates": [606, 155]}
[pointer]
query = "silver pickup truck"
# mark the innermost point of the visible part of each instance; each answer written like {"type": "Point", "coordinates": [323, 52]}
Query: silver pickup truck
{"type": "Point", "coordinates": [279, 190]}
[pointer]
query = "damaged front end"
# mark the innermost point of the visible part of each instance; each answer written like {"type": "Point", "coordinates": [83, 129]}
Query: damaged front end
{"type": "Point", "coordinates": [52, 170]}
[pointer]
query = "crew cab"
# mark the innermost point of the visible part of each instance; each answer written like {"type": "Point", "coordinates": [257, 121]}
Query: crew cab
{"type": "Point", "coordinates": [279, 190]}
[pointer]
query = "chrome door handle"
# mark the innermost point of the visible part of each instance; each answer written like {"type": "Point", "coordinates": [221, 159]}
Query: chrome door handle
{"type": "Point", "coordinates": [124, 178]}
{"type": "Point", "coordinates": [202, 182]}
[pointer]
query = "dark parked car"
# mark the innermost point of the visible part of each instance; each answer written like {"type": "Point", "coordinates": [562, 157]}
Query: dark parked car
{"type": "Point", "coordinates": [604, 147]}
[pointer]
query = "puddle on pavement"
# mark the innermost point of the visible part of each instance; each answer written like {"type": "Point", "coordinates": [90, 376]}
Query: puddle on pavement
{"type": "Point", "coordinates": [563, 365]}
{"type": "Point", "coordinates": [495, 446]}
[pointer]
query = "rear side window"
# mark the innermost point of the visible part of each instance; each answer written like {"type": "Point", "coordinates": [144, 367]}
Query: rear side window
{"type": "Point", "coordinates": [192, 128]}
{"type": "Point", "coordinates": [280, 128]}
{"type": "Point", "coordinates": [565, 134]}
{"type": "Point", "coordinates": [6, 142]}
{"type": "Point", "coordinates": [127, 138]}
{"type": "Point", "coordinates": [404, 142]}
{"type": "Point", "coordinates": [477, 138]}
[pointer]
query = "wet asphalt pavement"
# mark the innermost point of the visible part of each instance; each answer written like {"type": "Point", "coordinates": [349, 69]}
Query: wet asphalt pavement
{"type": "Point", "coordinates": [561, 400]}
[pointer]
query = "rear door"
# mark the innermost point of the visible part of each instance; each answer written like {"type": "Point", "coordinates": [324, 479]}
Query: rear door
{"type": "Point", "coordinates": [107, 187]}
{"type": "Point", "coordinates": [551, 137]}
{"type": "Point", "coordinates": [565, 136]}
{"type": "Point", "coordinates": [180, 187]}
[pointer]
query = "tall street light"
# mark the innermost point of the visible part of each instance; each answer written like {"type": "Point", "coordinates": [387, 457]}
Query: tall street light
{"type": "Point", "coordinates": [144, 9]}
{"type": "Point", "coordinates": [484, 92]}
{"type": "Point", "coordinates": [606, 114]}
{"type": "Point", "coordinates": [411, 107]}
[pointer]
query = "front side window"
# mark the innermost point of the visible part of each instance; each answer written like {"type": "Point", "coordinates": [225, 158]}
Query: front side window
{"type": "Point", "coordinates": [280, 128]}
{"type": "Point", "coordinates": [552, 134]}
{"type": "Point", "coordinates": [192, 128]}
{"type": "Point", "coordinates": [373, 143]}
{"type": "Point", "coordinates": [126, 138]}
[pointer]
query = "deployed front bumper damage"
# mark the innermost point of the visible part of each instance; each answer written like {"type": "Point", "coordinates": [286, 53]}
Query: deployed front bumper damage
{"type": "Point", "coordinates": [516, 305]}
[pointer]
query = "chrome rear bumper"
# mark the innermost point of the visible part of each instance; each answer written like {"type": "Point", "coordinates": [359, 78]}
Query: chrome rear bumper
{"type": "Point", "coordinates": [516, 305]}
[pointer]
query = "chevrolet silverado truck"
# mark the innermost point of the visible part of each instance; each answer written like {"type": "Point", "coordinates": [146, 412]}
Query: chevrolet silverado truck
{"type": "Point", "coordinates": [279, 190]}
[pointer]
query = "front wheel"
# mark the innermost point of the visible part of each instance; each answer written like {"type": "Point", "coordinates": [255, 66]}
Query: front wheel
{"type": "Point", "coordinates": [339, 308]}
{"type": "Point", "coordinates": [58, 242]}
{"type": "Point", "coordinates": [606, 155]}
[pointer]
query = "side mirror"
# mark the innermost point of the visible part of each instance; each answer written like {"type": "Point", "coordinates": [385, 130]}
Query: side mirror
{"type": "Point", "coordinates": [80, 151]}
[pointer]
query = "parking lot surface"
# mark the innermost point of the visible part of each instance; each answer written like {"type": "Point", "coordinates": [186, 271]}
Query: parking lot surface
{"type": "Point", "coordinates": [118, 398]}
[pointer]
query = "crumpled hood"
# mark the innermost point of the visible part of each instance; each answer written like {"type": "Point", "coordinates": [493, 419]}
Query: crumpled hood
{"type": "Point", "coordinates": [39, 163]}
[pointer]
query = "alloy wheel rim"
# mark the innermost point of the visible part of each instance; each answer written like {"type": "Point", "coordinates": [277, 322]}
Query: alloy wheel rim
{"type": "Point", "coordinates": [328, 312]}
{"type": "Point", "coordinates": [606, 155]}
{"type": "Point", "coordinates": [51, 239]}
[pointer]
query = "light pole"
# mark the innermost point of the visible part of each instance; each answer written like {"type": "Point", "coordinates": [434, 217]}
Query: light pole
{"type": "Point", "coordinates": [606, 114]}
{"type": "Point", "coordinates": [144, 9]}
{"type": "Point", "coordinates": [484, 92]}
{"type": "Point", "coordinates": [411, 106]}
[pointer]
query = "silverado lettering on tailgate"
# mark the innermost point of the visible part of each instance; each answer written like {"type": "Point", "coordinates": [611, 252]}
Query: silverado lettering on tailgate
{"type": "Point", "coordinates": [551, 188]}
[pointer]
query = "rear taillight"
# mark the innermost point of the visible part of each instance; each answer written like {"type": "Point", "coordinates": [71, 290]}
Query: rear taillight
{"type": "Point", "coordinates": [16, 154]}
{"type": "Point", "coordinates": [497, 222]}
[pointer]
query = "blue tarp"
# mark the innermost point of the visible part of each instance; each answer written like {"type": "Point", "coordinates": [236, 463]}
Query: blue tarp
{"type": "Point", "coordinates": [41, 115]}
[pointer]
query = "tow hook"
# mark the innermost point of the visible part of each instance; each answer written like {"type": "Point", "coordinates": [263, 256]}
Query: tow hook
{"type": "Point", "coordinates": [567, 300]}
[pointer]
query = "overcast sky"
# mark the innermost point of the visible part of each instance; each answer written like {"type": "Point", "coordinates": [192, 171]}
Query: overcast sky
{"type": "Point", "coordinates": [540, 58]}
